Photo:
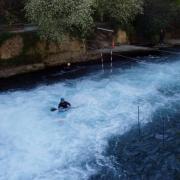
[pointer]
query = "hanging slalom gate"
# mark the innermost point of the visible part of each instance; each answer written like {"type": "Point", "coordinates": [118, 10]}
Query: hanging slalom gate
{"type": "Point", "coordinates": [130, 58]}
{"type": "Point", "coordinates": [102, 62]}
{"type": "Point", "coordinates": [115, 54]}
{"type": "Point", "coordinates": [111, 62]}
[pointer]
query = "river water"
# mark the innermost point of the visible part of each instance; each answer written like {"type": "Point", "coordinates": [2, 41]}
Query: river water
{"type": "Point", "coordinates": [36, 144]}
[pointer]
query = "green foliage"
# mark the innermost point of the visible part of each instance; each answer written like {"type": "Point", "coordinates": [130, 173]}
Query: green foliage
{"type": "Point", "coordinates": [120, 11]}
{"type": "Point", "coordinates": [59, 18]}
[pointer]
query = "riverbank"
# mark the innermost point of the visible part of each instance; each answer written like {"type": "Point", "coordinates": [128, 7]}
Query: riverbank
{"type": "Point", "coordinates": [55, 60]}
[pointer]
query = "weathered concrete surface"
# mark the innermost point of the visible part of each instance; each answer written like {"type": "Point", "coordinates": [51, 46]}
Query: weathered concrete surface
{"type": "Point", "coordinates": [19, 45]}
{"type": "Point", "coordinates": [59, 59]}
{"type": "Point", "coordinates": [11, 48]}
{"type": "Point", "coordinates": [21, 70]}
{"type": "Point", "coordinates": [174, 42]}
{"type": "Point", "coordinates": [19, 28]}
{"type": "Point", "coordinates": [126, 49]}
{"type": "Point", "coordinates": [121, 37]}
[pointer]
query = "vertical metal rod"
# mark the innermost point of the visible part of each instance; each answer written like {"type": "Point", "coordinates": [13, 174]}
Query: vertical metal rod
{"type": "Point", "coordinates": [163, 132]}
{"type": "Point", "coordinates": [102, 61]}
{"type": "Point", "coordinates": [139, 125]}
{"type": "Point", "coordinates": [111, 61]}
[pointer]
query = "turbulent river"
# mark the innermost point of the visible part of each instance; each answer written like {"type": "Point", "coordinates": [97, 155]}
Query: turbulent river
{"type": "Point", "coordinates": [37, 144]}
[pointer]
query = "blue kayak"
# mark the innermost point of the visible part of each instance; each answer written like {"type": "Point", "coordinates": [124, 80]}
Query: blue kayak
{"type": "Point", "coordinates": [64, 109]}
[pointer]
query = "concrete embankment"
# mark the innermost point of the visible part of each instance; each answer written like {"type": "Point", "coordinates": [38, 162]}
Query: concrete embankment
{"type": "Point", "coordinates": [62, 58]}
{"type": "Point", "coordinates": [24, 52]}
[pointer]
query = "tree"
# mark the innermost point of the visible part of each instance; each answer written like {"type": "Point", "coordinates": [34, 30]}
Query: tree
{"type": "Point", "coordinates": [119, 11]}
{"type": "Point", "coordinates": [58, 18]}
{"type": "Point", "coordinates": [12, 11]}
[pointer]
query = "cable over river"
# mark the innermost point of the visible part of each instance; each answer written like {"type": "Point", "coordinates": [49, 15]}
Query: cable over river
{"type": "Point", "coordinates": [37, 144]}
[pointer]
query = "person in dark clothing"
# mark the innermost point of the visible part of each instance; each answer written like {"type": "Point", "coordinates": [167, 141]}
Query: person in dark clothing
{"type": "Point", "coordinates": [161, 36]}
{"type": "Point", "coordinates": [63, 104]}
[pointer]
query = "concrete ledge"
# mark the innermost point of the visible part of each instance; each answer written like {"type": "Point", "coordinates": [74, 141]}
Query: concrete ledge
{"type": "Point", "coordinates": [21, 70]}
{"type": "Point", "coordinates": [174, 42]}
{"type": "Point", "coordinates": [60, 60]}
{"type": "Point", "coordinates": [125, 48]}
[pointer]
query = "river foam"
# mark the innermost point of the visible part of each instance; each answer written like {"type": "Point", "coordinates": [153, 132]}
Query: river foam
{"type": "Point", "coordinates": [36, 144]}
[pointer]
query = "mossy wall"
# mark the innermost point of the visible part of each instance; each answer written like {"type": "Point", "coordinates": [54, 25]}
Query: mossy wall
{"type": "Point", "coordinates": [26, 48]}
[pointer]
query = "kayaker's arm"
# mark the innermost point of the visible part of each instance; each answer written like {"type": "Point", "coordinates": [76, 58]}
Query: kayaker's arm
{"type": "Point", "coordinates": [68, 104]}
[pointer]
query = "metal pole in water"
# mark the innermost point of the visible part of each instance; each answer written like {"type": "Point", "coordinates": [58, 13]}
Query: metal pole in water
{"type": "Point", "coordinates": [139, 125]}
{"type": "Point", "coordinates": [102, 61]}
{"type": "Point", "coordinates": [111, 61]}
{"type": "Point", "coordinates": [163, 132]}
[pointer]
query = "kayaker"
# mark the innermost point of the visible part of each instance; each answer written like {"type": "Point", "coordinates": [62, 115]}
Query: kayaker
{"type": "Point", "coordinates": [161, 37]}
{"type": "Point", "coordinates": [63, 104]}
